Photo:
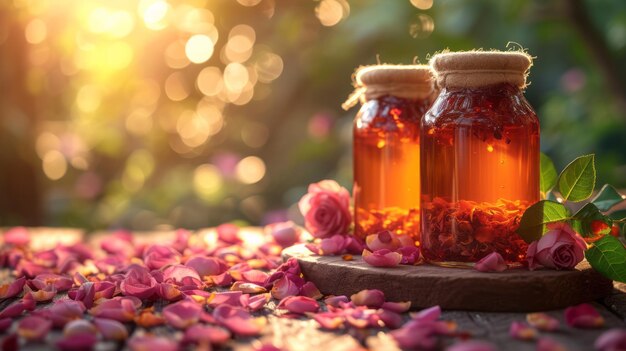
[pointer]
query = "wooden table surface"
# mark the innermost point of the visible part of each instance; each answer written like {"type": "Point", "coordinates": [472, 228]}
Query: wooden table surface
{"type": "Point", "coordinates": [304, 333]}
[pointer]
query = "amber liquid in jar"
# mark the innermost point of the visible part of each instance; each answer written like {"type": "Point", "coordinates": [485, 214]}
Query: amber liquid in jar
{"type": "Point", "coordinates": [480, 156]}
{"type": "Point", "coordinates": [387, 166]}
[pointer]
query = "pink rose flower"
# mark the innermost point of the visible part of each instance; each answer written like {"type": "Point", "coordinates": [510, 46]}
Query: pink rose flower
{"type": "Point", "coordinates": [326, 209]}
{"type": "Point", "coordinates": [559, 248]}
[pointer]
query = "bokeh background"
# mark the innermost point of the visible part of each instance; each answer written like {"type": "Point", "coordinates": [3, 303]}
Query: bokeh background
{"type": "Point", "coordinates": [188, 113]}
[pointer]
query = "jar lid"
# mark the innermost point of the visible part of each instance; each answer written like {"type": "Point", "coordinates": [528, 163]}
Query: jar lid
{"type": "Point", "coordinates": [404, 81]}
{"type": "Point", "coordinates": [481, 68]}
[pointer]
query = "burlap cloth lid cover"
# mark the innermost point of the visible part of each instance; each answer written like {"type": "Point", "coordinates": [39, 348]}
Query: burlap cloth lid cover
{"type": "Point", "coordinates": [481, 68]}
{"type": "Point", "coordinates": [404, 81]}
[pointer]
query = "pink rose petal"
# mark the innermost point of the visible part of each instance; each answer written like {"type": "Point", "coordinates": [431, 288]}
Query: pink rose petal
{"type": "Point", "coordinates": [399, 307]}
{"type": "Point", "coordinates": [238, 321]}
{"type": "Point", "coordinates": [522, 331]}
{"type": "Point", "coordinates": [428, 314]}
{"type": "Point", "coordinates": [85, 293]}
{"type": "Point", "coordinates": [335, 301]}
{"type": "Point", "coordinates": [158, 256]}
{"type": "Point", "coordinates": [383, 240]}
{"type": "Point", "coordinates": [33, 328]}
{"type": "Point", "coordinates": [79, 326]}
{"type": "Point", "coordinates": [18, 236]}
{"type": "Point", "coordinates": [310, 290]}
{"type": "Point", "coordinates": [611, 340]}
{"type": "Point", "coordinates": [224, 298]}
{"type": "Point", "coordinates": [542, 321]}
{"type": "Point", "coordinates": [169, 292]}
{"type": "Point", "coordinates": [284, 287]}
{"type": "Point", "coordinates": [12, 289]}
{"type": "Point", "coordinates": [583, 316]}
{"type": "Point", "coordinates": [472, 345]}
{"type": "Point", "coordinates": [299, 304]}
{"type": "Point", "coordinates": [285, 234]}
{"type": "Point", "coordinates": [122, 309]}
{"type": "Point", "coordinates": [46, 294]}
{"type": "Point", "coordinates": [181, 275]}
{"type": "Point", "coordinates": [371, 298]}
{"type": "Point", "coordinates": [254, 303]}
{"type": "Point", "coordinates": [329, 320]}
{"type": "Point", "coordinates": [247, 288]}
{"type": "Point", "coordinates": [206, 266]}
{"type": "Point", "coordinates": [410, 254]}
{"type": "Point", "coordinates": [60, 282]}
{"type": "Point", "coordinates": [228, 233]}
{"type": "Point", "coordinates": [5, 323]}
{"type": "Point", "coordinates": [255, 276]}
{"type": "Point", "coordinates": [77, 342]}
{"type": "Point", "coordinates": [182, 314]}
{"type": "Point", "coordinates": [390, 319]}
{"type": "Point", "coordinates": [111, 329]}
{"type": "Point", "coordinates": [139, 283]}
{"type": "Point", "coordinates": [206, 333]}
{"type": "Point", "coordinates": [63, 311]}
{"type": "Point", "coordinates": [382, 258]}
{"type": "Point", "coordinates": [151, 342]}
{"type": "Point", "coordinates": [548, 344]}
{"type": "Point", "coordinates": [491, 263]}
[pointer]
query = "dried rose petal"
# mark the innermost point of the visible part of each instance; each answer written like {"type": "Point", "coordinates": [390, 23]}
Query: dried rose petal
{"type": "Point", "coordinates": [382, 258]}
{"type": "Point", "coordinates": [310, 290]}
{"type": "Point", "coordinates": [390, 319]}
{"type": "Point", "coordinates": [206, 333]}
{"type": "Point", "coordinates": [522, 331]}
{"type": "Point", "coordinates": [139, 283]}
{"type": "Point", "coordinates": [284, 233]}
{"type": "Point", "coordinates": [104, 290]}
{"type": "Point", "coordinates": [399, 307]}
{"type": "Point", "coordinates": [12, 289]}
{"type": "Point", "coordinates": [411, 337]}
{"type": "Point", "coordinates": [254, 303]}
{"type": "Point", "coordinates": [77, 342]}
{"type": "Point", "coordinates": [371, 298]}
{"type": "Point", "coordinates": [299, 304]}
{"type": "Point", "coordinates": [224, 279]}
{"type": "Point", "coordinates": [206, 266]}
{"type": "Point", "coordinates": [111, 329]}
{"type": "Point", "coordinates": [60, 282]}
{"type": "Point", "coordinates": [472, 345]}
{"type": "Point", "coordinates": [33, 328]}
{"type": "Point", "coordinates": [611, 340]}
{"type": "Point", "coordinates": [335, 301]}
{"type": "Point", "coordinates": [255, 276]}
{"type": "Point", "coordinates": [383, 240]}
{"type": "Point", "coordinates": [284, 287]}
{"type": "Point", "coordinates": [542, 321]}
{"type": "Point", "coordinates": [329, 320]}
{"type": "Point", "coordinates": [247, 288]}
{"type": "Point", "coordinates": [64, 311]}
{"type": "Point", "coordinates": [148, 319]}
{"type": "Point", "coordinates": [85, 293]}
{"type": "Point", "coordinates": [158, 256]}
{"type": "Point", "coordinates": [79, 326]}
{"type": "Point", "coordinates": [5, 323]}
{"type": "Point", "coordinates": [228, 233]}
{"type": "Point", "coordinates": [151, 342]}
{"type": "Point", "coordinates": [494, 262]}
{"type": "Point", "coordinates": [169, 292]}
{"type": "Point", "coordinates": [18, 236]}
{"type": "Point", "coordinates": [182, 314]}
{"type": "Point", "coordinates": [238, 321]}
{"type": "Point", "coordinates": [410, 254]}
{"type": "Point", "coordinates": [46, 294]}
{"type": "Point", "coordinates": [428, 314]}
{"type": "Point", "coordinates": [583, 316]}
{"type": "Point", "coordinates": [547, 344]}
{"type": "Point", "coordinates": [13, 310]}
{"type": "Point", "coordinates": [121, 309]}
{"type": "Point", "coordinates": [224, 298]}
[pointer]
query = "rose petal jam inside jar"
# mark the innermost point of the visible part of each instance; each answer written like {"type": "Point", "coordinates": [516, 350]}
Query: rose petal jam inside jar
{"type": "Point", "coordinates": [480, 158]}
{"type": "Point", "coordinates": [386, 148]}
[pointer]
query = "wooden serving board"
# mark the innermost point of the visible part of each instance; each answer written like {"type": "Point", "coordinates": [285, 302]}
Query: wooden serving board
{"type": "Point", "coordinates": [514, 290]}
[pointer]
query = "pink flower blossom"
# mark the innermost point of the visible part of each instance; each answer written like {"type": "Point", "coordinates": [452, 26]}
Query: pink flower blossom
{"type": "Point", "coordinates": [560, 248]}
{"type": "Point", "coordinates": [542, 321]}
{"type": "Point", "coordinates": [285, 234]}
{"type": "Point", "coordinates": [583, 316]}
{"type": "Point", "coordinates": [491, 263]}
{"type": "Point", "coordinates": [371, 298]}
{"type": "Point", "coordinates": [522, 331]}
{"type": "Point", "coordinates": [611, 340]}
{"type": "Point", "coordinates": [182, 314]}
{"type": "Point", "coordinates": [33, 328]}
{"type": "Point", "coordinates": [382, 258]}
{"type": "Point", "coordinates": [326, 209]}
{"type": "Point", "coordinates": [238, 321]}
{"type": "Point", "coordinates": [299, 304]}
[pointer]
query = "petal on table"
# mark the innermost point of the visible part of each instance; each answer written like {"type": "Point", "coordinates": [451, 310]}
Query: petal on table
{"type": "Point", "coordinates": [18, 236]}
{"type": "Point", "coordinates": [206, 333]}
{"type": "Point", "coordinates": [238, 321]}
{"type": "Point", "coordinates": [494, 262]}
{"type": "Point", "coordinates": [225, 298]}
{"type": "Point", "coordinates": [583, 316]}
{"type": "Point", "coordinates": [33, 327]}
{"type": "Point", "coordinates": [111, 329]}
{"type": "Point", "coordinates": [247, 288]}
{"type": "Point", "coordinates": [255, 276]}
{"type": "Point", "coordinates": [542, 321]}
{"type": "Point", "coordinates": [284, 287]}
{"type": "Point", "coordinates": [329, 320]}
{"type": "Point", "coordinates": [148, 319]}
{"type": "Point", "coordinates": [12, 289]}
{"type": "Point", "coordinates": [206, 266]}
{"type": "Point", "coordinates": [77, 342]}
{"type": "Point", "coordinates": [548, 344]}
{"type": "Point", "coordinates": [399, 307]}
{"type": "Point", "coordinates": [472, 345]}
{"type": "Point", "coordinates": [611, 340]}
{"type": "Point", "coordinates": [428, 314]}
{"type": "Point", "coordinates": [371, 298]}
{"type": "Point", "coordinates": [522, 331]}
{"type": "Point", "coordinates": [5, 323]}
{"type": "Point", "coordinates": [151, 342]}
{"type": "Point", "coordinates": [299, 304]}
{"type": "Point", "coordinates": [254, 303]}
{"type": "Point", "coordinates": [182, 314]}
{"type": "Point", "coordinates": [382, 258]}
{"type": "Point", "coordinates": [169, 292]}
{"type": "Point", "coordinates": [310, 290]}
{"type": "Point", "coordinates": [181, 275]}
{"type": "Point", "coordinates": [60, 282]}
{"type": "Point", "coordinates": [335, 301]}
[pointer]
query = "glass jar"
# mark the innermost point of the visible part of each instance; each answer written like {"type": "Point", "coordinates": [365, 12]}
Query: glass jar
{"type": "Point", "coordinates": [480, 156]}
{"type": "Point", "coordinates": [386, 147]}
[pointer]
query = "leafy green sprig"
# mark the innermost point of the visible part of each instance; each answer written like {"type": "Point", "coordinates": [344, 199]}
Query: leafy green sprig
{"type": "Point", "coordinates": [595, 221]}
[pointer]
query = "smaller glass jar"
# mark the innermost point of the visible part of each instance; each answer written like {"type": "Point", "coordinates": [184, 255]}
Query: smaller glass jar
{"type": "Point", "coordinates": [480, 150]}
{"type": "Point", "coordinates": [386, 147]}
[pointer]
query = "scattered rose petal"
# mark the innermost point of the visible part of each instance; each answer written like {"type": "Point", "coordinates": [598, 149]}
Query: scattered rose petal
{"type": "Point", "coordinates": [284, 233]}
{"type": "Point", "coordinates": [224, 298]}
{"type": "Point", "coordinates": [299, 304]}
{"type": "Point", "coordinates": [77, 342]}
{"type": "Point", "coordinates": [5, 323]}
{"type": "Point", "coordinates": [12, 289]}
{"type": "Point", "coordinates": [548, 344]}
{"type": "Point", "coordinates": [238, 321]}
{"type": "Point", "coordinates": [284, 287]}
{"type": "Point", "coordinates": [410, 254]}
{"type": "Point", "coordinates": [228, 233]}
{"type": "Point", "coordinates": [472, 345]}
{"type": "Point", "coordinates": [157, 256]}
{"type": "Point", "coordinates": [583, 316]}
{"type": "Point", "coordinates": [329, 320]}
{"type": "Point", "coordinates": [611, 340]}
{"type": "Point", "coordinates": [254, 303]}
{"type": "Point", "coordinates": [60, 282]}
{"type": "Point", "coordinates": [182, 314]}
{"type": "Point", "coordinates": [139, 283]}
{"type": "Point", "coordinates": [121, 309]}
{"type": "Point", "coordinates": [79, 326]}
{"type": "Point", "coordinates": [522, 331]}
{"type": "Point", "coordinates": [169, 292]}
{"type": "Point", "coordinates": [310, 290]}
{"type": "Point", "coordinates": [111, 329]}
{"type": "Point", "coordinates": [428, 314]}
{"type": "Point", "coordinates": [491, 263]}
{"type": "Point", "coordinates": [18, 236]}
{"type": "Point", "coordinates": [63, 311]}
{"type": "Point", "coordinates": [206, 333]}
{"type": "Point", "coordinates": [43, 295]}
{"type": "Point", "coordinates": [255, 276]}
{"type": "Point", "coordinates": [85, 293]}
{"type": "Point", "coordinates": [182, 275]}
{"type": "Point", "coordinates": [148, 319]}
{"type": "Point", "coordinates": [383, 240]}
{"type": "Point", "coordinates": [33, 328]}
{"type": "Point", "coordinates": [390, 319]}
{"type": "Point", "coordinates": [206, 266]}
{"type": "Point", "coordinates": [247, 288]}
{"type": "Point", "coordinates": [335, 301]}
{"type": "Point", "coordinates": [151, 342]}
{"type": "Point", "coordinates": [542, 321]}
{"type": "Point", "coordinates": [399, 307]}
{"type": "Point", "coordinates": [382, 258]}
{"type": "Point", "coordinates": [371, 298]}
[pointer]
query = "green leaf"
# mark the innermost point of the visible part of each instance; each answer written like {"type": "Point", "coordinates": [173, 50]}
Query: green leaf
{"type": "Point", "coordinates": [548, 175]}
{"type": "Point", "coordinates": [608, 256]}
{"type": "Point", "coordinates": [535, 218]}
{"type": "Point", "coordinates": [590, 222]}
{"type": "Point", "coordinates": [607, 198]}
{"type": "Point", "coordinates": [578, 179]}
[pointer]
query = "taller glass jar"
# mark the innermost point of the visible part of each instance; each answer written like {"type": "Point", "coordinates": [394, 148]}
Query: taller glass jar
{"type": "Point", "coordinates": [386, 147]}
{"type": "Point", "coordinates": [480, 156]}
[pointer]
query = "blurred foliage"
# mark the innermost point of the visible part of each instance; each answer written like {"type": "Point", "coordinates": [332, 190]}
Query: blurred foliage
{"type": "Point", "coordinates": [149, 113]}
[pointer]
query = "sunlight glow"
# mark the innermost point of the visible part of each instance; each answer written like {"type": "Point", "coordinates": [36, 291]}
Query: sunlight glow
{"type": "Point", "coordinates": [250, 170]}
{"type": "Point", "coordinates": [199, 48]}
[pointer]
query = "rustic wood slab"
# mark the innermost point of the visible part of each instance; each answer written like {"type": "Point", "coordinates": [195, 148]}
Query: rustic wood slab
{"type": "Point", "coordinates": [514, 290]}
